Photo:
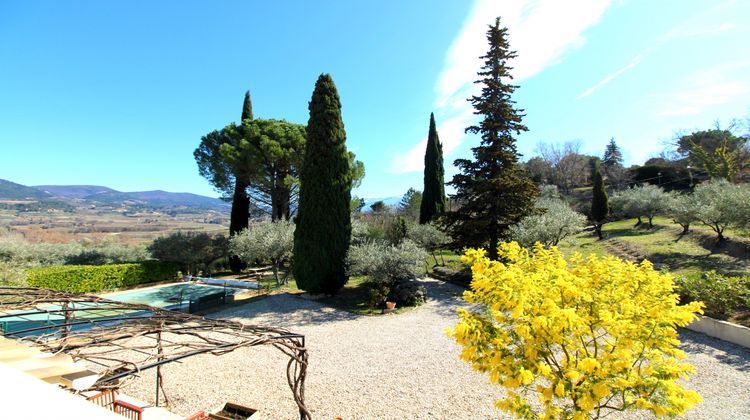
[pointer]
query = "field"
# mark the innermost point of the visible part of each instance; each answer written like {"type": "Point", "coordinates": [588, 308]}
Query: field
{"type": "Point", "coordinates": [125, 227]}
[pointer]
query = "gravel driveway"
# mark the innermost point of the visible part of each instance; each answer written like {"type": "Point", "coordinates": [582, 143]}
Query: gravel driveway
{"type": "Point", "coordinates": [393, 366]}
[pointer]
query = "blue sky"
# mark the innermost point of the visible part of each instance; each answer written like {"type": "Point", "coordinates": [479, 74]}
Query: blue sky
{"type": "Point", "coordinates": [119, 93]}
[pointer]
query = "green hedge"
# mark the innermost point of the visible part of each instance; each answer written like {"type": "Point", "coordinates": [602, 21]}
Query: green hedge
{"type": "Point", "coordinates": [95, 278]}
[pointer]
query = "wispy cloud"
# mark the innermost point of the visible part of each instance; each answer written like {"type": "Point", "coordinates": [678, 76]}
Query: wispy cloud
{"type": "Point", "coordinates": [634, 62]}
{"type": "Point", "coordinates": [541, 31]}
{"type": "Point", "coordinates": [701, 90]}
{"type": "Point", "coordinates": [692, 31]}
{"type": "Point", "coordinates": [690, 28]}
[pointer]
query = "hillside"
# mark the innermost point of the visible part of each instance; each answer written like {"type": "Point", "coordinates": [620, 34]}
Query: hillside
{"type": "Point", "coordinates": [10, 191]}
{"type": "Point", "coordinates": [158, 198]}
{"type": "Point", "coordinates": [64, 197]}
{"type": "Point", "coordinates": [73, 191]}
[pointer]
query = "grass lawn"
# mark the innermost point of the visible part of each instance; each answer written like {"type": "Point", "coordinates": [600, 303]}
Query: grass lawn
{"type": "Point", "coordinates": [690, 255]}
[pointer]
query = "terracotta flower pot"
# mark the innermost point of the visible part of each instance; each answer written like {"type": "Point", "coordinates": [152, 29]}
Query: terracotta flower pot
{"type": "Point", "coordinates": [390, 305]}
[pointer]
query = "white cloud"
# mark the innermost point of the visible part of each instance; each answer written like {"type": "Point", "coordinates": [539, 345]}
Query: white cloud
{"type": "Point", "coordinates": [690, 31]}
{"type": "Point", "coordinates": [451, 132]}
{"type": "Point", "coordinates": [701, 90]}
{"type": "Point", "coordinates": [634, 62]}
{"type": "Point", "coordinates": [541, 31]}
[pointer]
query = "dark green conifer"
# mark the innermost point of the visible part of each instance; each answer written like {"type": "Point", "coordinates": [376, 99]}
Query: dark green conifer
{"type": "Point", "coordinates": [247, 108]}
{"type": "Point", "coordinates": [492, 191]}
{"type": "Point", "coordinates": [240, 213]}
{"type": "Point", "coordinates": [323, 232]}
{"type": "Point", "coordinates": [433, 196]}
{"type": "Point", "coordinates": [599, 202]}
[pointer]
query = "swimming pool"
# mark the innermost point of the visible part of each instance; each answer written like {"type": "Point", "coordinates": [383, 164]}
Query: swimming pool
{"type": "Point", "coordinates": [176, 297]}
{"type": "Point", "coordinates": [173, 296]}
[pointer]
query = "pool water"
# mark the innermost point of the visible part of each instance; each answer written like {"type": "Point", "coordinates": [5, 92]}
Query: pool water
{"type": "Point", "coordinates": [173, 296]}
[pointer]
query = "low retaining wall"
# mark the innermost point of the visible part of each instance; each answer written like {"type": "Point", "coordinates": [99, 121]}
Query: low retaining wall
{"type": "Point", "coordinates": [722, 330]}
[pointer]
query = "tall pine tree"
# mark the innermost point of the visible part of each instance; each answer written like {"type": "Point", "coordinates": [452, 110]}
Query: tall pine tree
{"type": "Point", "coordinates": [612, 154]}
{"type": "Point", "coordinates": [323, 232]}
{"type": "Point", "coordinates": [433, 195]}
{"type": "Point", "coordinates": [599, 202]}
{"type": "Point", "coordinates": [492, 191]}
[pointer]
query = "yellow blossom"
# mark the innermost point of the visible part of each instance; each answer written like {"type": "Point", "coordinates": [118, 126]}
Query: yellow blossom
{"type": "Point", "coordinates": [593, 326]}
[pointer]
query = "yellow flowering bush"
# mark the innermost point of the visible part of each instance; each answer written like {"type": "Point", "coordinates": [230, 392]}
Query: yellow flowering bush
{"type": "Point", "coordinates": [575, 339]}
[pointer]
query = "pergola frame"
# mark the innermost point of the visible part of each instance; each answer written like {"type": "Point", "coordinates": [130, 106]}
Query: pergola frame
{"type": "Point", "coordinates": [123, 339]}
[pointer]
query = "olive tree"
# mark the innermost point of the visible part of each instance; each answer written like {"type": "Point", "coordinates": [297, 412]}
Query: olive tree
{"type": "Point", "coordinates": [193, 252]}
{"type": "Point", "coordinates": [720, 204]}
{"type": "Point", "coordinates": [266, 242]}
{"type": "Point", "coordinates": [555, 223]}
{"type": "Point", "coordinates": [641, 201]}
{"type": "Point", "coordinates": [429, 238]}
{"type": "Point", "coordinates": [682, 209]}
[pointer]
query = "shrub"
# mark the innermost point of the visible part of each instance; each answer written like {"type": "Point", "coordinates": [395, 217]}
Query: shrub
{"type": "Point", "coordinates": [428, 237]}
{"type": "Point", "coordinates": [21, 252]}
{"type": "Point", "coordinates": [12, 274]}
{"type": "Point", "coordinates": [387, 266]}
{"type": "Point", "coordinates": [386, 263]}
{"type": "Point", "coordinates": [408, 293]}
{"type": "Point", "coordinates": [721, 295]}
{"type": "Point", "coordinates": [191, 251]}
{"type": "Point", "coordinates": [360, 231]}
{"type": "Point", "coordinates": [556, 223]}
{"type": "Point", "coordinates": [108, 254]}
{"type": "Point", "coordinates": [265, 242]}
{"type": "Point", "coordinates": [396, 232]}
{"type": "Point", "coordinates": [95, 278]}
{"type": "Point", "coordinates": [591, 334]}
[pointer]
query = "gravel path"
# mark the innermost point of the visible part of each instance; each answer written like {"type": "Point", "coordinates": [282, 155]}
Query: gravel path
{"type": "Point", "coordinates": [393, 366]}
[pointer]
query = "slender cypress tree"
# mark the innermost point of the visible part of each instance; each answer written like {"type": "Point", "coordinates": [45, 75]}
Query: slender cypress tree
{"type": "Point", "coordinates": [600, 202]}
{"type": "Point", "coordinates": [247, 107]}
{"type": "Point", "coordinates": [493, 192]}
{"type": "Point", "coordinates": [433, 197]}
{"type": "Point", "coordinates": [323, 232]}
{"type": "Point", "coordinates": [240, 214]}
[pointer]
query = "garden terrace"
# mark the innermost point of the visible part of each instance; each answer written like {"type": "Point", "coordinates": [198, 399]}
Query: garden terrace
{"type": "Point", "coordinates": [119, 340]}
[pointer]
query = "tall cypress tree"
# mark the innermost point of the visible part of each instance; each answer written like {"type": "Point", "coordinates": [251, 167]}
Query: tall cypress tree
{"type": "Point", "coordinates": [240, 214]}
{"type": "Point", "coordinates": [433, 195]}
{"type": "Point", "coordinates": [599, 202]}
{"type": "Point", "coordinates": [492, 191]}
{"type": "Point", "coordinates": [323, 232]}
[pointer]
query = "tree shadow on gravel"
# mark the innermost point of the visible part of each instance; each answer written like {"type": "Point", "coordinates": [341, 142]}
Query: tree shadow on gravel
{"type": "Point", "coordinates": [723, 351]}
{"type": "Point", "coordinates": [285, 310]}
{"type": "Point", "coordinates": [444, 297]}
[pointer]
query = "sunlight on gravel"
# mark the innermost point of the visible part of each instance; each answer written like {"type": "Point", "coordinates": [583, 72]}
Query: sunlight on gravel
{"type": "Point", "coordinates": [393, 366]}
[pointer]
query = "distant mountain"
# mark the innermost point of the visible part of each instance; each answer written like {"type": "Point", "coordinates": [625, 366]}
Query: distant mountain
{"type": "Point", "coordinates": [70, 196]}
{"type": "Point", "coordinates": [389, 201]}
{"type": "Point", "coordinates": [74, 191]}
{"type": "Point", "coordinates": [158, 198]}
{"type": "Point", "coordinates": [12, 191]}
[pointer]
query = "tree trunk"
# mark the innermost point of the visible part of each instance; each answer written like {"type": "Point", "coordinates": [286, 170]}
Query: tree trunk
{"type": "Point", "coordinates": [239, 220]}
{"type": "Point", "coordinates": [638, 222]}
{"type": "Point", "coordinates": [280, 202]}
{"type": "Point", "coordinates": [720, 231]}
{"type": "Point", "coordinates": [492, 251]}
{"type": "Point", "coordinates": [650, 222]}
{"type": "Point", "coordinates": [598, 230]}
